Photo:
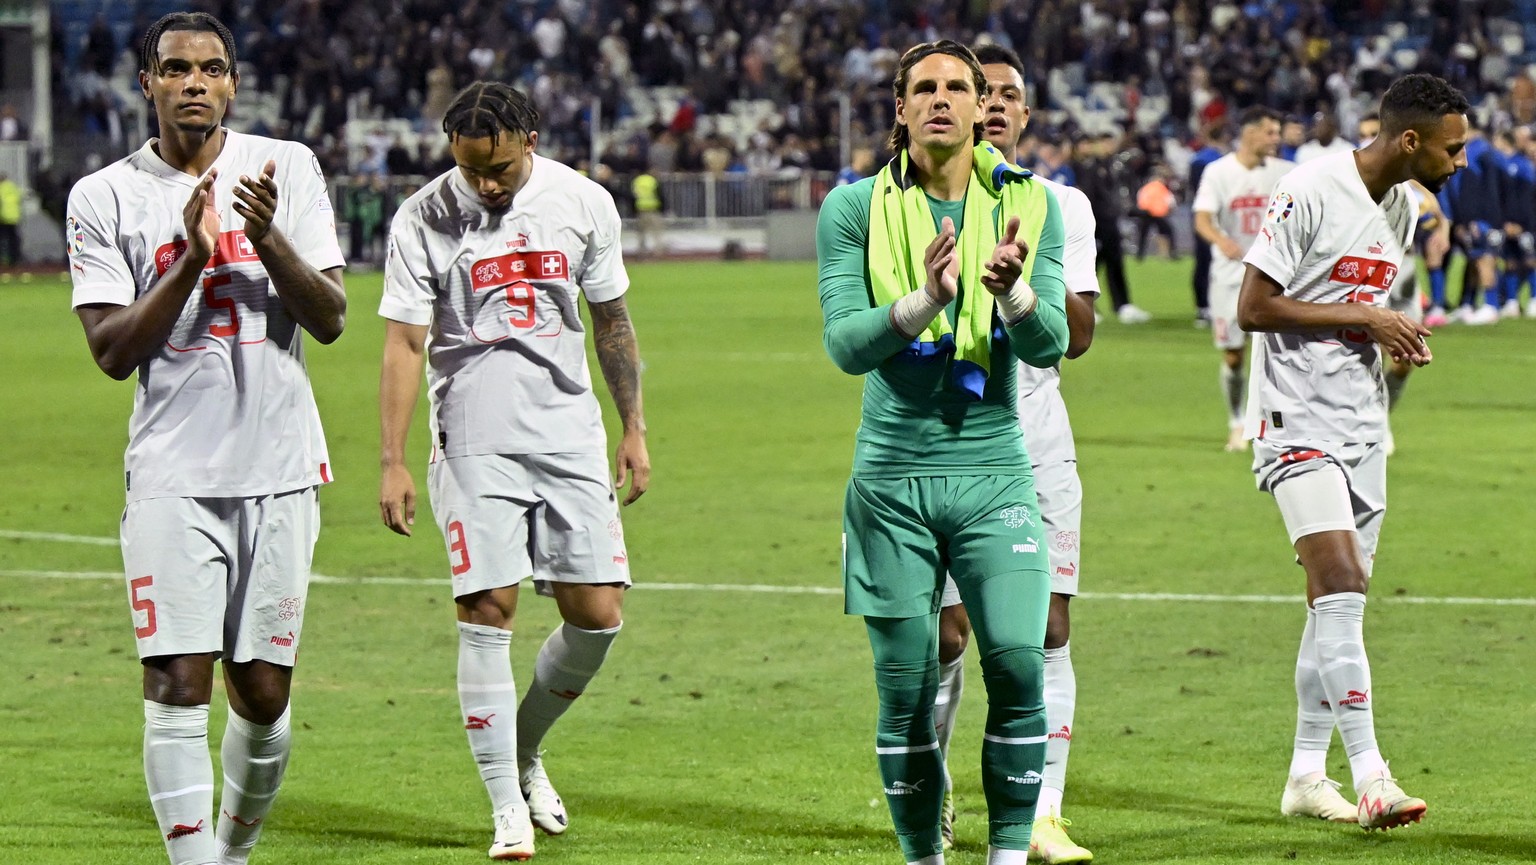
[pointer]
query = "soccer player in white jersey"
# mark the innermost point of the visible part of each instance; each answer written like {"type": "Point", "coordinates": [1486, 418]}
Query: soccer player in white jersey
{"type": "Point", "coordinates": [197, 261]}
{"type": "Point", "coordinates": [486, 266]}
{"type": "Point", "coordinates": [1229, 210]}
{"type": "Point", "coordinates": [1336, 235]}
{"type": "Point", "coordinates": [1053, 456]}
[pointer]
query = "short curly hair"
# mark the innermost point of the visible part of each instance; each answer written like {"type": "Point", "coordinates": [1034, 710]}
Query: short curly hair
{"type": "Point", "coordinates": [1418, 102]}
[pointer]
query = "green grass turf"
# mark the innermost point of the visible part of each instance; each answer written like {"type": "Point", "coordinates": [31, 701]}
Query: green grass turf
{"type": "Point", "coordinates": [732, 727]}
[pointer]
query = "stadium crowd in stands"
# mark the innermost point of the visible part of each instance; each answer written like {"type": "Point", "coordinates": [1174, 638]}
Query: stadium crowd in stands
{"type": "Point", "coordinates": [758, 88]}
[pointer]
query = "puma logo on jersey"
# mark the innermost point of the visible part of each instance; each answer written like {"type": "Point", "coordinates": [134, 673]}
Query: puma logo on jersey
{"type": "Point", "coordinates": [285, 642]}
{"type": "Point", "coordinates": [1029, 546]}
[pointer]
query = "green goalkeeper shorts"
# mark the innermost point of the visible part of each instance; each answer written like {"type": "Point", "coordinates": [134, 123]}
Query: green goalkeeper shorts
{"type": "Point", "coordinates": [901, 535]}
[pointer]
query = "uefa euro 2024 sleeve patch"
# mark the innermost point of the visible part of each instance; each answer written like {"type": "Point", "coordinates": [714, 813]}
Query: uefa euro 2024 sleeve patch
{"type": "Point", "coordinates": [75, 233]}
{"type": "Point", "coordinates": [1281, 207]}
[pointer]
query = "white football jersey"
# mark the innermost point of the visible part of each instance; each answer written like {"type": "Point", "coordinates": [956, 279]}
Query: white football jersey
{"type": "Point", "coordinates": [1045, 438]}
{"type": "Point", "coordinates": [1237, 197]}
{"type": "Point", "coordinates": [506, 354]}
{"type": "Point", "coordinates": [1326, 241]}
{"type": "Point", "coordinates": [224, 408]}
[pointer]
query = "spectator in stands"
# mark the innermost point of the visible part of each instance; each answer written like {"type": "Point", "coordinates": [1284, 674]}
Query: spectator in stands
{"type": "Point", "coordinates": [11, 127]}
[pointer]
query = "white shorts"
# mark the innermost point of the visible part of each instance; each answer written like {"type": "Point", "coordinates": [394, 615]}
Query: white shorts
{"type": "Point", "coordinates": [1060, 493]}
{"type": "Point", "coordinates": [226, 575]}
{"type": "Point", "coordinates": [1326, 488]}
{"type": "Point", "coordinates": [1224, 330]}
{"type": "Point", "coordinates": [506, 517]}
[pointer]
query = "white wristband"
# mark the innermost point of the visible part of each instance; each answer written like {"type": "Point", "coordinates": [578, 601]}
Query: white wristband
{"type": "Point", "coordinates": [1017, 304]}
{"type": "Point", "coordinates": [912, 314]}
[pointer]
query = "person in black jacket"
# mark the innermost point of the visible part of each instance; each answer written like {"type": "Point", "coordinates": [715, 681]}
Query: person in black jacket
{"type": "Point", "coordinates": [1095, 177]}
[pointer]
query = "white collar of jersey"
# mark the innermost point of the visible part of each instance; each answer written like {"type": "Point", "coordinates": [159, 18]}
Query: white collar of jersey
{"type": "Point", "coordinates": [160, 168]}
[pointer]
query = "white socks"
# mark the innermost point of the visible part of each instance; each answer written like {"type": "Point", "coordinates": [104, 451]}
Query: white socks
{"type": "Point", "coordinates": [488, 699]}
{"type": "Point", "coordinates": [1314, 713]}
{"type": "Point", "coordinates": [996, 856]}
{"type": "Point", "coordinates": [179, 773]}
{"type": "Point", "coordinates": [1346, 676]}
{"type": "Point", "coordinates": [935, 859]}
{"type": "Point", "coordinates": [1232, 389]}
{"type": "Point", "coordinates": [254, 758]}
{"type": "Point", "coordinates": [567, 662]}
{"type": "Point", "coordinates": [946, 705]}
{"type": "Point", "coordinates": [1060, 705]}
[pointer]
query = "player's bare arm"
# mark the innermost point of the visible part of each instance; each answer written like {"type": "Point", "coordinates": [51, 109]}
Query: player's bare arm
{"type": "Point", "coordinates": [122, 337]}
{"type": "Point", "coordinates": [1263, 307]}
{"type": "Point", "coordinates": [316, 300]}
{"type": "Point", "coordinates": [613, 336]}
{"type": "Point", "coordinates": [1079, 325]}
{"type": "Point", "coordinates": [1205, 226]}
{"type": "Point", "coordinates": [399, 387]}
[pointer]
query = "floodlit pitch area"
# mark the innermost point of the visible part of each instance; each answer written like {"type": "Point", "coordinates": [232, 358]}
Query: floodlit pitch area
{"type": "Point", "coordinates": [734, 721]}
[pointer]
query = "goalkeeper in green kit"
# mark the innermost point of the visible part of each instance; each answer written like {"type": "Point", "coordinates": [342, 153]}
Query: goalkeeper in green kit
{"type": "Point", "coordinates": [935, 275]}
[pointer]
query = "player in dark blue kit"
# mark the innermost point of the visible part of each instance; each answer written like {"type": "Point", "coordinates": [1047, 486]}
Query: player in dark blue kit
{"type": "Point", "coordinates": [1215, 148]}
{"type": "Point", "coordinates": [1519, 198]}
{"type": "Point", "coordinates": [1474, 201]}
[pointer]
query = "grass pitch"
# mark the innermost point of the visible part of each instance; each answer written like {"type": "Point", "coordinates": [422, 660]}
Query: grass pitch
{"type": "Point", "coordinates": [735, 726]}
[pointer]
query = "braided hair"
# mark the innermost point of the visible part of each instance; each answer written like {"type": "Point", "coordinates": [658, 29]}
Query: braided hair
{"type": "Point", "coordinates": [198, 22]}
{"type": "Point", "coordinates": [489, 108]}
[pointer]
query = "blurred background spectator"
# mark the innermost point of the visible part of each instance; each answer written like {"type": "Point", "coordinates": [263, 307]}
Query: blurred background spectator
{"type": "Point", "coordinates": [769, 99]}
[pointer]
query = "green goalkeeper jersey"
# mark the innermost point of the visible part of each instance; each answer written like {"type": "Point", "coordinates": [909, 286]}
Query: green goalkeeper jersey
{"type": "Point", "coordinates": [916, 422]}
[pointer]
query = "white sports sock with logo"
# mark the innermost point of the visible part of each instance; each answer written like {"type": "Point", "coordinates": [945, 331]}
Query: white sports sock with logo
{"type": "Point", "coordinates": [1232, 382]}
{"type": "Point", "coordinates": [1060, 706]}
{"type": "Point", "coordinates": [1346, 675]}
{"type": "Point", "coordinates": [1314, 712]}
{"type": "Point", "coordinates": [488, 699]}
{"type": "Point", "coordinates": [946, 705]}
{"type": "Point", "coordinates": [254, 757]}
{"type": "Point", "coordinates": [179, 773]}
{"type": "Point", "coordinates": [567, 662]}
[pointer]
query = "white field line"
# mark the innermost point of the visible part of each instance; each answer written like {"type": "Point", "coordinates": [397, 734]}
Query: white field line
{"type": "Point", "coordinates": [7, 534]}
{"type": "Point", "coordinates": [325, 579]}
{"type": "Point", "coordinates": [746, 587]}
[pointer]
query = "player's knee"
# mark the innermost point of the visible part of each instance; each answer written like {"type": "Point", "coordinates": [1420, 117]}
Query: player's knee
{"type": "Point", "coordinates": [591, 607]}
{"type": "Point", "coordinates": [906, 690]}
{"type": "Point", "coordinates": [181, 680]}
{"type": "Point", "coordinates": [1058, 624]}
{"type": "Point", "coordinates": [1339, 573]}
{"type": "Point", "coordinates": [493, 608]}
{"type": "Point", "coordinates": [1015, 678]}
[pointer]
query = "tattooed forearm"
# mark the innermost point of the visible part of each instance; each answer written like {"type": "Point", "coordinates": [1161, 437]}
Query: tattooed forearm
{"type": "Point", "coordinates": [613, 335]}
